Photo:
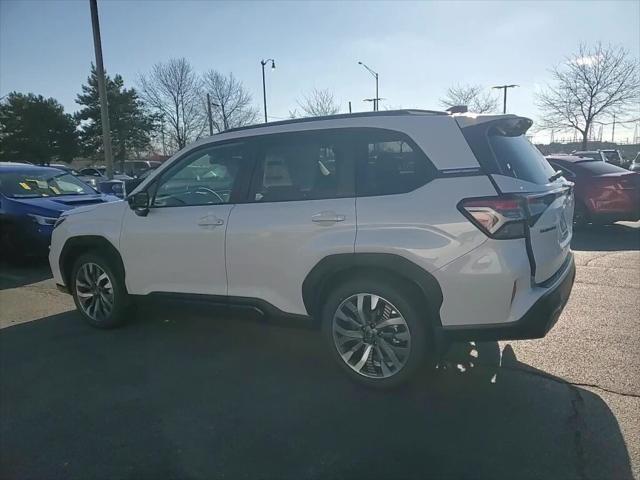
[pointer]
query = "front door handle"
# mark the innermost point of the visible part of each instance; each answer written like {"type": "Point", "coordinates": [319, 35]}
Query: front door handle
{"type": "Point", "coordinates": [210, 221]}
{"type": "Point", "coordinates": [327, 217]}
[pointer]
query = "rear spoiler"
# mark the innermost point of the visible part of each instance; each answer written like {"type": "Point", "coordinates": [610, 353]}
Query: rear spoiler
{"type": "Point", "coordinates": [507, 125]}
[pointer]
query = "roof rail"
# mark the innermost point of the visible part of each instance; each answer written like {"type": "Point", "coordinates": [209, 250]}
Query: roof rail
{"type": "Point", "coordinates": [385, 113]}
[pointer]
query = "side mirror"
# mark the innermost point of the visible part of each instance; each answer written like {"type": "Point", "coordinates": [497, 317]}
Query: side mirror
{"type": "Point", "coordinates": [118, 190]}
{"type": "Point", "coordinates": [139, 203]}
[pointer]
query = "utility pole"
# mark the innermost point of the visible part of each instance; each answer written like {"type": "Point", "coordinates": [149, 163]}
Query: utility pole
{"type": "Point", "coordinates": [225, 123]}
{"type": "Point", "coordinates": [102, 90]}
{"type": "Point", "coordinates": [504, 89]}
{"type": "Point", "coordinates": [613, 130]}
{"type": "Point", "coordinates": [209, 114]}
{"type": "Point", "coordinates": [349, 106]}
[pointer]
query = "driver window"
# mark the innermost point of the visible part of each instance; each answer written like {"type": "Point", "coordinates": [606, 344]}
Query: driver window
{"type": "Point", "coordinates": [206, 177]}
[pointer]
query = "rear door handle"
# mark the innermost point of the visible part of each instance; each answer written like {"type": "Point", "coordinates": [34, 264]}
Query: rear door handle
{"type": "Point", "coordinates": [327, 217]}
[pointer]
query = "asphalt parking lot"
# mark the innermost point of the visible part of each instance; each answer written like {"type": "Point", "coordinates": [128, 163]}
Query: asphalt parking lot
{"type": "Point", "coordinates": [193, 393]}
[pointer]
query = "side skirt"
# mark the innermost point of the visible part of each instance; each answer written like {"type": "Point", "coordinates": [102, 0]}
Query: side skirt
{"type": "Point", "coordinates": [267, 312]}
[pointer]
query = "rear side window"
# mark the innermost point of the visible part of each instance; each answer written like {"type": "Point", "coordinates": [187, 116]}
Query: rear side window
{"type": "Point", "coordinates": [501, 148]}
{"type": "Point", "coordinates": [308, 166]}
{"type": "Point", "coordinates": [390, 164]}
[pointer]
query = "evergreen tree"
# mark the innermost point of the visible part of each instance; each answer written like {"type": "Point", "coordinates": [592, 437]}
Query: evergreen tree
{"type": "Point", "coordinates": [131, 126]}
{"type": "Point", "coordinates": [36, 129]}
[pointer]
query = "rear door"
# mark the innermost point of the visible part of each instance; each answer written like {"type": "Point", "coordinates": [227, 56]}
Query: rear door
{"type": "Point", "coordinates": [300, 208]}
{"type": "Point", "coordinates": [517, 167]}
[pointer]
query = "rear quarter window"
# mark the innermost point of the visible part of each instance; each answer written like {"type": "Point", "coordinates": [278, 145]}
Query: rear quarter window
{"type": "Point", "coordinates": [506, 151]}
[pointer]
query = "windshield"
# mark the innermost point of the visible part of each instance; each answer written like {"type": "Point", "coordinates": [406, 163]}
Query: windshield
{"type": "Point", "coordinates": [613, 156]}
{"type": "Point", "coordinates": [42, 184]}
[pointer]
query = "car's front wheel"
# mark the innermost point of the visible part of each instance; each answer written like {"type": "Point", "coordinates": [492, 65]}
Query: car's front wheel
{"type": "Point", "coordinates": [98, 292]}
{"type": "Point", "coordinates": [376, 332]}
{"type": "Point", "coordinates": [580, 215]}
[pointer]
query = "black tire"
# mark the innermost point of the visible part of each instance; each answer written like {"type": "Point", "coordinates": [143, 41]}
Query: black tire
{"type": "Point", "coordinates": [403, 299]}
{"type": "Point", "coordinates": [121, 304]}
{"type": "Point", "coordinates": [580, 215]}
{"type": "Point", "coordinates": [11, 246]}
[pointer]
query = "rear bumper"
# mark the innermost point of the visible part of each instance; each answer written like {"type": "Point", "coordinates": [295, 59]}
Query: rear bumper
{"type": "Point", "coordinates": [535, 323]}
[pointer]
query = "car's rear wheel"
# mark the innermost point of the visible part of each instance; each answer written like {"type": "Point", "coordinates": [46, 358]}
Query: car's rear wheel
{"type": "Point", "coordinates": [98, 292]}
{"type": "Point", "coordinates": [375, 332]}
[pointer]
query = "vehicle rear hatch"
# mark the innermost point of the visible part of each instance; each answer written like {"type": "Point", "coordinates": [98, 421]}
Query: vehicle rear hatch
{"type": "Point", "coordinates": [518, 170]}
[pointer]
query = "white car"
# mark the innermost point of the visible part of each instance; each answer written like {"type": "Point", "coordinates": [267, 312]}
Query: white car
{"type": "Point", "coordinates": [396, 232]}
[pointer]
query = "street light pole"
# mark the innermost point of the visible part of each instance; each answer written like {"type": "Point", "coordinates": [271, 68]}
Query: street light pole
{"type": "Point", "coordinates": [264, 88]}
{"type": "Point", "coordinates": [504, 89]}
{"type": "Point", "coordinates": [377, 96]}
{"type": "Point", "coordinates": [102, 90]}
{"type": "Point", "coordinates": [375, 75]}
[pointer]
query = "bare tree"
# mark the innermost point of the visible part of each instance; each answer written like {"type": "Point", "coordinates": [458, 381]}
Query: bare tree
{"type": "Point", "coordinates": [472, 96]}
{"type": "Point", "coordinates": [317, 104]}
{"type": "Point", "coordinates": [593, 83]}
{"type": "Point", "coordinates": [173, 90]}
{"type": "Point", "coordinates": [231, 103]}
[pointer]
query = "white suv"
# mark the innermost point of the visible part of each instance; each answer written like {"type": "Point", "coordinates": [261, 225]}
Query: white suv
{"type": "Point", "coordinates": [396, 231]}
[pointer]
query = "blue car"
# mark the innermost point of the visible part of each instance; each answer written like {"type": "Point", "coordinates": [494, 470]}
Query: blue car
{"type": "Point", "coordinates": [31, 200]}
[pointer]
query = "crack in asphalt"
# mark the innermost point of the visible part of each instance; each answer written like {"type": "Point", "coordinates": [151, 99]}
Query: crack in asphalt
{"type": "Point", "coordinates": [610, 286]}
{"type": "Point", "coordinates": [569, 383]}
{"type": "Point", "coordinates": [606, 269]}
{"type": "Point", "coordinates": [598, 257]}
{"type": "Point", "coordinates": [576, 424]}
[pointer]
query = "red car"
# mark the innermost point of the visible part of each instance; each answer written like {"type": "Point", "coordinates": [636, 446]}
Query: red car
{"type": "Point", "coordinates": [604, 193]}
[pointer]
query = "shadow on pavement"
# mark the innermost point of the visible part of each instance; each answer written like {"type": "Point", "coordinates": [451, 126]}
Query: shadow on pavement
{"type": "Point", "coordinates": [178, 395]}
{"type": "Point", "coordinates": [607, 238]}
{"type": "Point", "coordinates": [25, 272]}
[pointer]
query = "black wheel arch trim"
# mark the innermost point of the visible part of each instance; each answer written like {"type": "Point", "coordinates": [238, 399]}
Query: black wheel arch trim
{"type": "Point", "coordinates": [318, 279]}
{"type": "Point", "coordinates": [75, 246]}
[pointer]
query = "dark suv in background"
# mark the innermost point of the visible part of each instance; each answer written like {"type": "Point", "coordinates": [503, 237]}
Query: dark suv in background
{"type": "Point", "coordinates": [135, 168]}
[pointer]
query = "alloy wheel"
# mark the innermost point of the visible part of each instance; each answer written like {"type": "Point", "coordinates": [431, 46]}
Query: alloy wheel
{"type": "Point", "coordinates": [94, 291]}
{"type": "Point", "coordinates": [371, 335]}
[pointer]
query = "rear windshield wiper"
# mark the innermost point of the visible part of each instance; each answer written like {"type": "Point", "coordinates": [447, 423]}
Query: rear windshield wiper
{"type": "Point", "coordinates": [556, 176]}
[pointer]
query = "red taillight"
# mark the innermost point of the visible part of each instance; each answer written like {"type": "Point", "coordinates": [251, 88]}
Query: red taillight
{"type": "Point", "coordinates": [498, 217]}
{"type": "Point", "coordinates": [508, 216]}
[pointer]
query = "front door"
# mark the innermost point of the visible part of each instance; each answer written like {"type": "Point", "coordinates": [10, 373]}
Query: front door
{"type": "Point", "coordinates": [180, 245]}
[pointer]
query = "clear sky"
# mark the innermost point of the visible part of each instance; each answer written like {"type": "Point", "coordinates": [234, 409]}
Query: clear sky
{"type": "Point", "coordinates": [418, 48]}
